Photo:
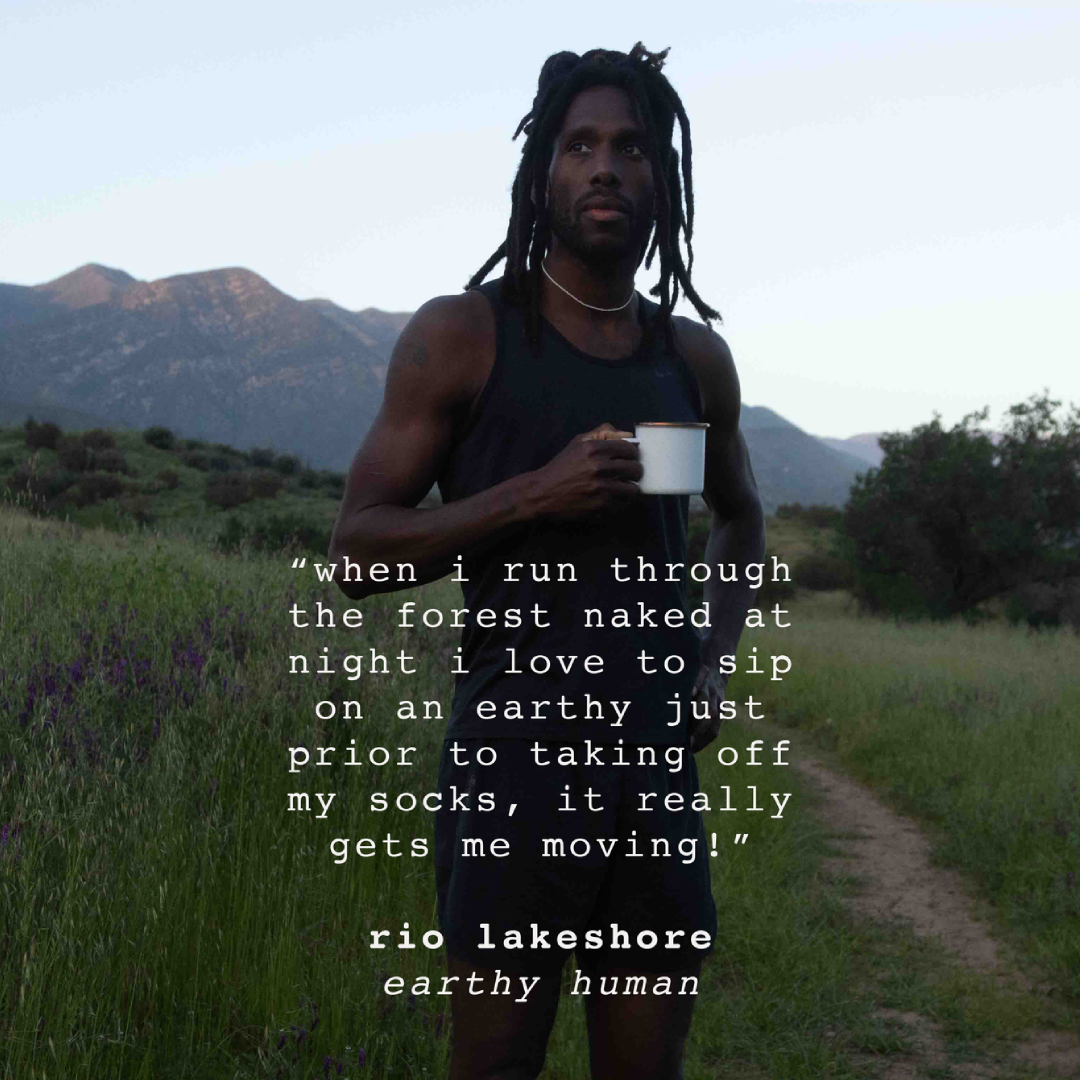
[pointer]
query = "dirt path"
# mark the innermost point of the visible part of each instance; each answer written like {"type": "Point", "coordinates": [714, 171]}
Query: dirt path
{"type": "Point", "coordinates": [891, 858]}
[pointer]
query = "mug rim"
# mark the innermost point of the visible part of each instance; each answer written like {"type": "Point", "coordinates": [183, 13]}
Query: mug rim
{"type": "Point", "coordinates": [669, 423]}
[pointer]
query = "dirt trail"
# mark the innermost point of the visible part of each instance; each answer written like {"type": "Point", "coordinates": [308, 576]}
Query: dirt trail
{"type": "Point", "coordinates": [891, 858]}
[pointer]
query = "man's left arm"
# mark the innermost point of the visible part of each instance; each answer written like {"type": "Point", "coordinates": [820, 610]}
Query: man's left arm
{"type": "Point", "coordinates": [737, 532]}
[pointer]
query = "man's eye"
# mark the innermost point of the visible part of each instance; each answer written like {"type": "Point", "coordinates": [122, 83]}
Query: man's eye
{"type": "Point", "coordinates": [576, 142]}
{"type": "Point", "coordinates": [639, 150]}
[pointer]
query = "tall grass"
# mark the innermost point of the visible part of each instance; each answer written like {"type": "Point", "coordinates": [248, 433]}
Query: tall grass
{"type": "Point", "coordinates": [975, 730]}
{"type": "Point", "coordinates": [164, 914]}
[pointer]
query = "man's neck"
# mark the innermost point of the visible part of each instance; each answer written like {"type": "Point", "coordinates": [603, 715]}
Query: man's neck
{"type": "Point", "coordinates": [613, 335]}
{"type": "Point", "coordinates": [590, 287]}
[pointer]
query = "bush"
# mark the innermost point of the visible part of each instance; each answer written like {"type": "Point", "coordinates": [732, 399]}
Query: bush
{"type": "Point", "coordinates": [170, 478]}
{"type": "Point", "coordinates": [137, 506]}
{"type": "Point", "coordinates": [266, 485]}
{"type": "Point", "coordinates": [263, 457]}
{"type": "Point", "coordinates": [73, 453]}
{"type": "Point", "coordinates": [219, 463]}
{"type": "Point", "coordinates": [93, 487]}
{"type": "Point", "coordinates": [287, 464]}
{"type": "Point", "coordinates": [99, 439]}
{"type": "Point", "coordinates": [279, 532]}
{"type": "Point", "coordinates": [822, 572]}
{"type": "Point", "coordinates": [160, 437]}
{"type": "Point", "coordinates": [309, 478]}
{"type": "Point", "coordinates": [817, 514]}
{"type": "Point", "coordinates": [228, 490]}
{"type": "Point", "coordinates": [333, 482]}
{"type": "Point", "coordinates": [111, 461]}
{"type": "Point", "coordinates": [194, 444]}
{"type": "Point", "coordinates": [47, 484]}
{"type": "Point", "coordinates": [194, 460]}
{"type": "Point", "coordinates": [41, 436]}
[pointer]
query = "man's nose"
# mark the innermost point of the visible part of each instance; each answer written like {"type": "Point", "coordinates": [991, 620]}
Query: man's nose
{"type": "Point", "coordinates": [606, 170]}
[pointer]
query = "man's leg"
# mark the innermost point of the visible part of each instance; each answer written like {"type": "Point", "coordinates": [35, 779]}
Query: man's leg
{"type": "Point", "coordinates": [637, 1036]}
{"type": "Point", "coordinates": [496, 1037]}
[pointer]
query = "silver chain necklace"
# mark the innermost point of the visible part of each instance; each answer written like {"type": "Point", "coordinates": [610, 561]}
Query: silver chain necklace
{"type": "Point", "coordinates": [591, 307]}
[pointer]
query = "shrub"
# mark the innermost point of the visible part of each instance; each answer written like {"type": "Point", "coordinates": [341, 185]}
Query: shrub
{"type": "Point", "coordinates": [93, 487]}
{"type": "Point", "coordinates": [263, 457]}
{"type": "Point", "coordinates": [309, 478]}
{"type": "Point", "coordinates": [266, 485]}
{"type": "Point", "coordinates": [111, 461]}
{"type": "Point", "coordinates": [99, 439]}
{"type": "Point", "coordinates": [287, 464]}
{"type": "Point", "coordinates": [137, 506]}
{"type": "Point", "coordinates": [41, 436]}
{"type": "Point", "coordinates": [73, 453]}
{"type": "Point", "coordinates": [194, 460]}
{"type": "Point", "coordinates": [47, 484]}
{"type": "Point", "coordinates": [824, 517]}
{"type": "Point", "coordinates": [170, 478]}
{"type": "Point", "coordinates": [821, 572]}
{"type": "Point", "coordinates": [223, 448]}
{"type": "Point", "coordinates": [160, 437]}
{"type": "Point", "coordinates": [279, 532]}
{"type": "Point", "coordinates": [228, 490]}
{"type": "Point", "coordinates": [194, 444]}
{"type": "Point", "coordinates": [219, 463]}
{"type": "Point", "coordinates": [333, 482]}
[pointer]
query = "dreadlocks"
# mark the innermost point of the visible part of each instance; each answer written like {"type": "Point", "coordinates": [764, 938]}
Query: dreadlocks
{"type": "Point", "coordinates": [563, 76]}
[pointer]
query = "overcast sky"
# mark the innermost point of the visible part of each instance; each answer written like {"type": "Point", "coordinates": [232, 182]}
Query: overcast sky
{"type": "Point", "coordinates": [886, 207]}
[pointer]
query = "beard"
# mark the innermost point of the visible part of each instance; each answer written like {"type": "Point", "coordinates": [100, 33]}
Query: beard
{"type": "Point", "coordinates": [597, 246]}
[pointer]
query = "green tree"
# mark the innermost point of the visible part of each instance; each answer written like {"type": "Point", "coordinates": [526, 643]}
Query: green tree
{"type": "Point", "coordinates": [954, 517]}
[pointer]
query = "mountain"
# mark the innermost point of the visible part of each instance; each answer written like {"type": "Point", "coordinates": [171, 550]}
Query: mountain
{"type": "Point", "coordinates": [220, 355]}
{"type": "Point", "coordinates": [223, 355]}
{"type": "Point", "coordinates": [864, 447]}
{"type": "Point", "coordinates": [791, 466]}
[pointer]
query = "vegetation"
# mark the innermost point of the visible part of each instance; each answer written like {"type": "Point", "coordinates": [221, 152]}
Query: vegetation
{"type": "Point", "coordinates": [163, 913]}
{"type": "Point", "coordinates": [953, 518]}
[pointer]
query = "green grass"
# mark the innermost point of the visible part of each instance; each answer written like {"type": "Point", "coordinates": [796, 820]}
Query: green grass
{"type": "Point", "coordinates": [162, 913]}
{"type": "Point", "coordinates": [970, 729]}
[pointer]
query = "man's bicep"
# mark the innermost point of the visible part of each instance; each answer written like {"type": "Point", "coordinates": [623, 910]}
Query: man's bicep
{"type": "Point", "coordinates": [403, 452]}
{"type": "Point", "coordinates": [730, 487]}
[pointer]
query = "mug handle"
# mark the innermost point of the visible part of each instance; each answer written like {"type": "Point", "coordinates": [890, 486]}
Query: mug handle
{"type": "Point", "coordinates": [627, 438]}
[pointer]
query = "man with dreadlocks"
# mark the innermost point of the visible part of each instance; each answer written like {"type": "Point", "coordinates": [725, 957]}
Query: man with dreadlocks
{"type": "Point", "coordinates": [516, 396]}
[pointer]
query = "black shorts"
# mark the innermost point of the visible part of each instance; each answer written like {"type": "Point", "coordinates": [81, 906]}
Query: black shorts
{"type": "Point", "coordinates": [649, 876]}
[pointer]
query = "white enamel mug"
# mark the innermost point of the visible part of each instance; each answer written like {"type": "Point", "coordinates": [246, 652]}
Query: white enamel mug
{"type": "Point", "coordinates": [672, 457]}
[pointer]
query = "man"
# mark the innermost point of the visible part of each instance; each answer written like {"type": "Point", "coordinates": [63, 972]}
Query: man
{"type": "Point", "coordinates": [516, 397]}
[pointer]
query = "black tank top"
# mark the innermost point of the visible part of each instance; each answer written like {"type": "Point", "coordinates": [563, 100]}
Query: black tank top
{"type": "Point", "coordinates": [529, 409]}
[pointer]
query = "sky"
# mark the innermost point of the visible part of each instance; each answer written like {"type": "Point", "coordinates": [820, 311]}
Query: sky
{"type": "Point", "coordinates": [886, 209]}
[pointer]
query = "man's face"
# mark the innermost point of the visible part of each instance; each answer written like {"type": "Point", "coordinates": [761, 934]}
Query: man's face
{"type": "Point", "coordinates": [600, 157]}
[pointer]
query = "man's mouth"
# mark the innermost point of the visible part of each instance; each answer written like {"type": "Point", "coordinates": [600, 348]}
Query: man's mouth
{"type": "Point", "coordinates": [599, 214]}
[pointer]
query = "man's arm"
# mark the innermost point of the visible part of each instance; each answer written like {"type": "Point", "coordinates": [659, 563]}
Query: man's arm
{"type": "Point", "coordinates": [431, 384]}
{"type": "Point", "coordinates": [737, 533]}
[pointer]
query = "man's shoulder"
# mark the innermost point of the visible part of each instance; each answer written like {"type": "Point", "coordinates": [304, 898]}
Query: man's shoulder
{"type": "Point", "coordinates": [454, 320]}
{"type": "Point", "coordinates": [709, 358]}
{"type": "Point", "coordinates": [702, 346]}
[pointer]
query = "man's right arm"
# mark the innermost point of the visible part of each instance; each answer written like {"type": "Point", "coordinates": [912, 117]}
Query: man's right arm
{"type": "Point", "coordinates": [431, 383]}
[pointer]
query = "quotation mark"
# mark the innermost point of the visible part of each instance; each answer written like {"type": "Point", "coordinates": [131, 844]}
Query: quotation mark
{"type": "Point", "coordinates": [298, 564]}
{"type": "Point", "coordinates": [741, 837]}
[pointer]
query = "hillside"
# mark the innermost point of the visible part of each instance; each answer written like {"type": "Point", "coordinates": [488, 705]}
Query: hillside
{"type": "Point", "coordinates": [223, 356]}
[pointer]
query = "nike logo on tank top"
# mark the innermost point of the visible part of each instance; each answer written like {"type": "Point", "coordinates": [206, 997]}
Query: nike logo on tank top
{"type": "Point", "coordinates": [530, 408]}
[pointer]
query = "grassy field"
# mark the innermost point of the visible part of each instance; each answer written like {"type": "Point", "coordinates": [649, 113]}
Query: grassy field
{"type": "Point", "coordinates": [163, 913]}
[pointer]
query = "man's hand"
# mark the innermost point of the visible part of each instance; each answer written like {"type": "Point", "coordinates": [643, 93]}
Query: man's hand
{"type": "Point", "coordinates": [709, 685]}
{"type": "Point", "coordinates": [597, 472]}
